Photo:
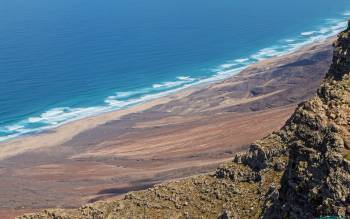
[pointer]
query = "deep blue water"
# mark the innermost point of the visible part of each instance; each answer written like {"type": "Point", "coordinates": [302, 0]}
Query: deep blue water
{"type": "Point", "coordinates": [67, 59]}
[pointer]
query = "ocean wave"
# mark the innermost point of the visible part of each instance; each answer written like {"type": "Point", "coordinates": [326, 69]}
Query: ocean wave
{"type": "Point", "coordinates": [266, 53]}
{"type": "Point", "coordinates": [12, 128]}
{"type": "Point", "coordinates": [185, 78]}
{"type": "Point", "coordinates": [7, 137]}
{"type": "Point", "coordinates": [123, 99]}
{"type": "Point", "coordinates": [289, 40]}
{"type": "Point", "coordinates": [116, 101]}
{"type": "Point", "coordinates": [169, 84]}
{"type": "Point", "coordinates": [228, 65]}
{"type": "Point", "coordinates": [237, 63]}
{"type": "Point", "coordinates": [225, 74]}
{"type": "Point", "coordinates": [241, 60]}
{"type": "Point", "coordinates": [308, 33]}
{"type": "Point", "coordinates": [127, 94]}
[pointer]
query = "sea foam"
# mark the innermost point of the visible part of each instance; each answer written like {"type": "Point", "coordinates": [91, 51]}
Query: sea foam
{"type": "Point", "coordinates": [170, 84]}
{"type": "Point", "coordinates": [308, 33]}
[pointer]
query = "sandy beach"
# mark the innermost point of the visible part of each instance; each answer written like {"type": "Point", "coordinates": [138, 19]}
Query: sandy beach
{"type": "Point", "coordinates": [185, 133]}
{"type": "Point", "coordinates": [66, 132]}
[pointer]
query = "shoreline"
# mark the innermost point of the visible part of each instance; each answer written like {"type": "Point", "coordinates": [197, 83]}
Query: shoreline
{"type": "Point", "coordinates": [60, 116]}
{"type": "Point", "coordinates": [180, 135]}
{"type": "Point", "coordinates": [65, 132]}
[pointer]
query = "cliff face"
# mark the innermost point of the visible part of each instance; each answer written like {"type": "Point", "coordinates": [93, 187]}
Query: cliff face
{"type": "Point", "coordinates": [301, 171]}
{"type": "Point", "coordinates": [316, 180]}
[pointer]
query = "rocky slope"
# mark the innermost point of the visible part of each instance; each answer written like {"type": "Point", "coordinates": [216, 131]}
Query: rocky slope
{"type": "Point", "coordinates": [301, 171]}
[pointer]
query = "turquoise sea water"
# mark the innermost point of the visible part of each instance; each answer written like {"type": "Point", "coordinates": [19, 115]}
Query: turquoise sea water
{"type": "Point", "coordinates": [68, 59]}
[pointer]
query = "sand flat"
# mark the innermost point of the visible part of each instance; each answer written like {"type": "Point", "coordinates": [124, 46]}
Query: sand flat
{"type": "Point", "coordinates": [176, 136]}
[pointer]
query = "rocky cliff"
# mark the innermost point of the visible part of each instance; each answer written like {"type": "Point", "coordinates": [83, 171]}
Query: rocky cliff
{"type": "Point", "coordinates": [301, 171]}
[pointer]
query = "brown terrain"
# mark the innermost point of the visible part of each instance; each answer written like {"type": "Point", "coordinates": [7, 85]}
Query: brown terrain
{"type": "Point", "coordinates": [181, 135]}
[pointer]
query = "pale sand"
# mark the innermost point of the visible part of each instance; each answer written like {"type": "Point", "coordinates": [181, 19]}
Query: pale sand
{"type": "Point", "coordinates": [67, 131]}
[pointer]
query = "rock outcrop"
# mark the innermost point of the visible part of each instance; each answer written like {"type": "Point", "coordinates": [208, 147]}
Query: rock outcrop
{"type": "Point", "coordinates": [301, 171]}
{"type": "Point", "coordinates": [316, 181]}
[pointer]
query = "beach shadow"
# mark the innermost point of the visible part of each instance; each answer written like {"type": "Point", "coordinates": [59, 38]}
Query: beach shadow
{"type": "Point", "coordinates": [113, 192]}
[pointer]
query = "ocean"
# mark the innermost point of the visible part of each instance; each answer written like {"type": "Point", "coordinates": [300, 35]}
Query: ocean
{"type": "Point", "coordinates": [65, 60]}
